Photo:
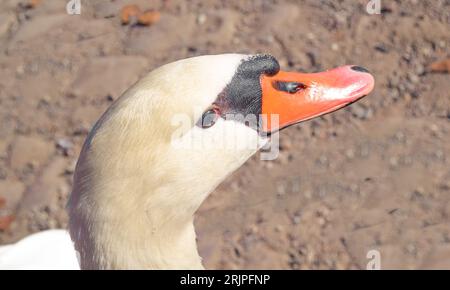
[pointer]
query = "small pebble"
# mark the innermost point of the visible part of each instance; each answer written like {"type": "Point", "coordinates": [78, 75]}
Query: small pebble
{"type": "Point", "coordinates": [201, 19]}
{"type": "Point", "coordinates": [65, 145]}
{"type": "Point", "coordinates": [350, 153]}
{"type": "Point", "coordinates": [381, 48]}
{"type": "Point", "coordinates": [393, 161]}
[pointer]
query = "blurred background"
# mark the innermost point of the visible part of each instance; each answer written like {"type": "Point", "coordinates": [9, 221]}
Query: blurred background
{"type": "Point", "coordinates": [374, 176]}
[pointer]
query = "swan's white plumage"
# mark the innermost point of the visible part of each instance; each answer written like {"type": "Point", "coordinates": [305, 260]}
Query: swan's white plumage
{"type": "Point", "coordinates": [50, 250]}
{"type": "Point", "coordinates": [134, 193]}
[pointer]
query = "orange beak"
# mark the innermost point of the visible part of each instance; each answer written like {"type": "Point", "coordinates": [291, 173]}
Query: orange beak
{"type": "Point", "coordinates": [297, 97]}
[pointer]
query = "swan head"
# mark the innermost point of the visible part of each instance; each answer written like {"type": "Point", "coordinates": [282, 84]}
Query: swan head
{"type": "Point", "coordinates": [169, 140]}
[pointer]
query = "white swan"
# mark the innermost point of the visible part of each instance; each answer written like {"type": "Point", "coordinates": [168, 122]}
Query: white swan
{"type": "Point", "coordinates": [162, 147]}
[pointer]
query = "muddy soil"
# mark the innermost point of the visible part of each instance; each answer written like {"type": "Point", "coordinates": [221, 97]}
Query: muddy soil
{"type": "Point", "coordinates": [373, 176]}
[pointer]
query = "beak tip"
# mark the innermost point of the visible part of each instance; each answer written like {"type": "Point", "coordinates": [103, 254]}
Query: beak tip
{"type": "Point", "coordinates": [371, 84]}
{"type": "Point", "coordinates": [365, 77]}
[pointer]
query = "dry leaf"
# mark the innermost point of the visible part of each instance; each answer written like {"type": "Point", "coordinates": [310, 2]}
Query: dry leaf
{"type": "Point", "coordinates": [34, 3]}
{"type": "Point", "coordinates": [149, 18]}
{"type": "Point", "coordinates": [129, 11]}
{"type": "Point", "coordinates": [5, 222]}
{"type": "Point", "coordinates": [440, 66]}
{"type": "Point", "coordinates": [30, 4]}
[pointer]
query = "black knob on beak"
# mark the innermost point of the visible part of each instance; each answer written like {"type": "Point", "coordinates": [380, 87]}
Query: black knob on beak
{"type": "Point", "coordinates": [359, 68]}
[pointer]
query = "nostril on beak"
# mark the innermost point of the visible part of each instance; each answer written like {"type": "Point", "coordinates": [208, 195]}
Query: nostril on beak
{"type": "Point", "coordinates": [359, 68]}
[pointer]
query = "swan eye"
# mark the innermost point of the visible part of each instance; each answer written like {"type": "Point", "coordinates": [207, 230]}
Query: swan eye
{"type": "Point", "coordinates": [289, 87]}
{"type": "Point", "coordinates": [209, 118]}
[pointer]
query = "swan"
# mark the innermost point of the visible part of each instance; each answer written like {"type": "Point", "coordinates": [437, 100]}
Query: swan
{"type": "Point", "coordinates": [159, 150]}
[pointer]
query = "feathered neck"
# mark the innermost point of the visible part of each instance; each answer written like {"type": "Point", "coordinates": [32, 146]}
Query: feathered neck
{"type": "Point", "coordinates": [143, 235]}
{"type": "Point", "coordinates": [134, 195]}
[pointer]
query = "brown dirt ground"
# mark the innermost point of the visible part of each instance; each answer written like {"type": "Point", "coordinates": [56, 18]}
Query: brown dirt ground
{"type": "Point", "coordinates": [375, 175]}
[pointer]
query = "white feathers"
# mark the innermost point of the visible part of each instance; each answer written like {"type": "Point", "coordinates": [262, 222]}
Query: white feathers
{"type": "Point", "coordinates": [49, 250]}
